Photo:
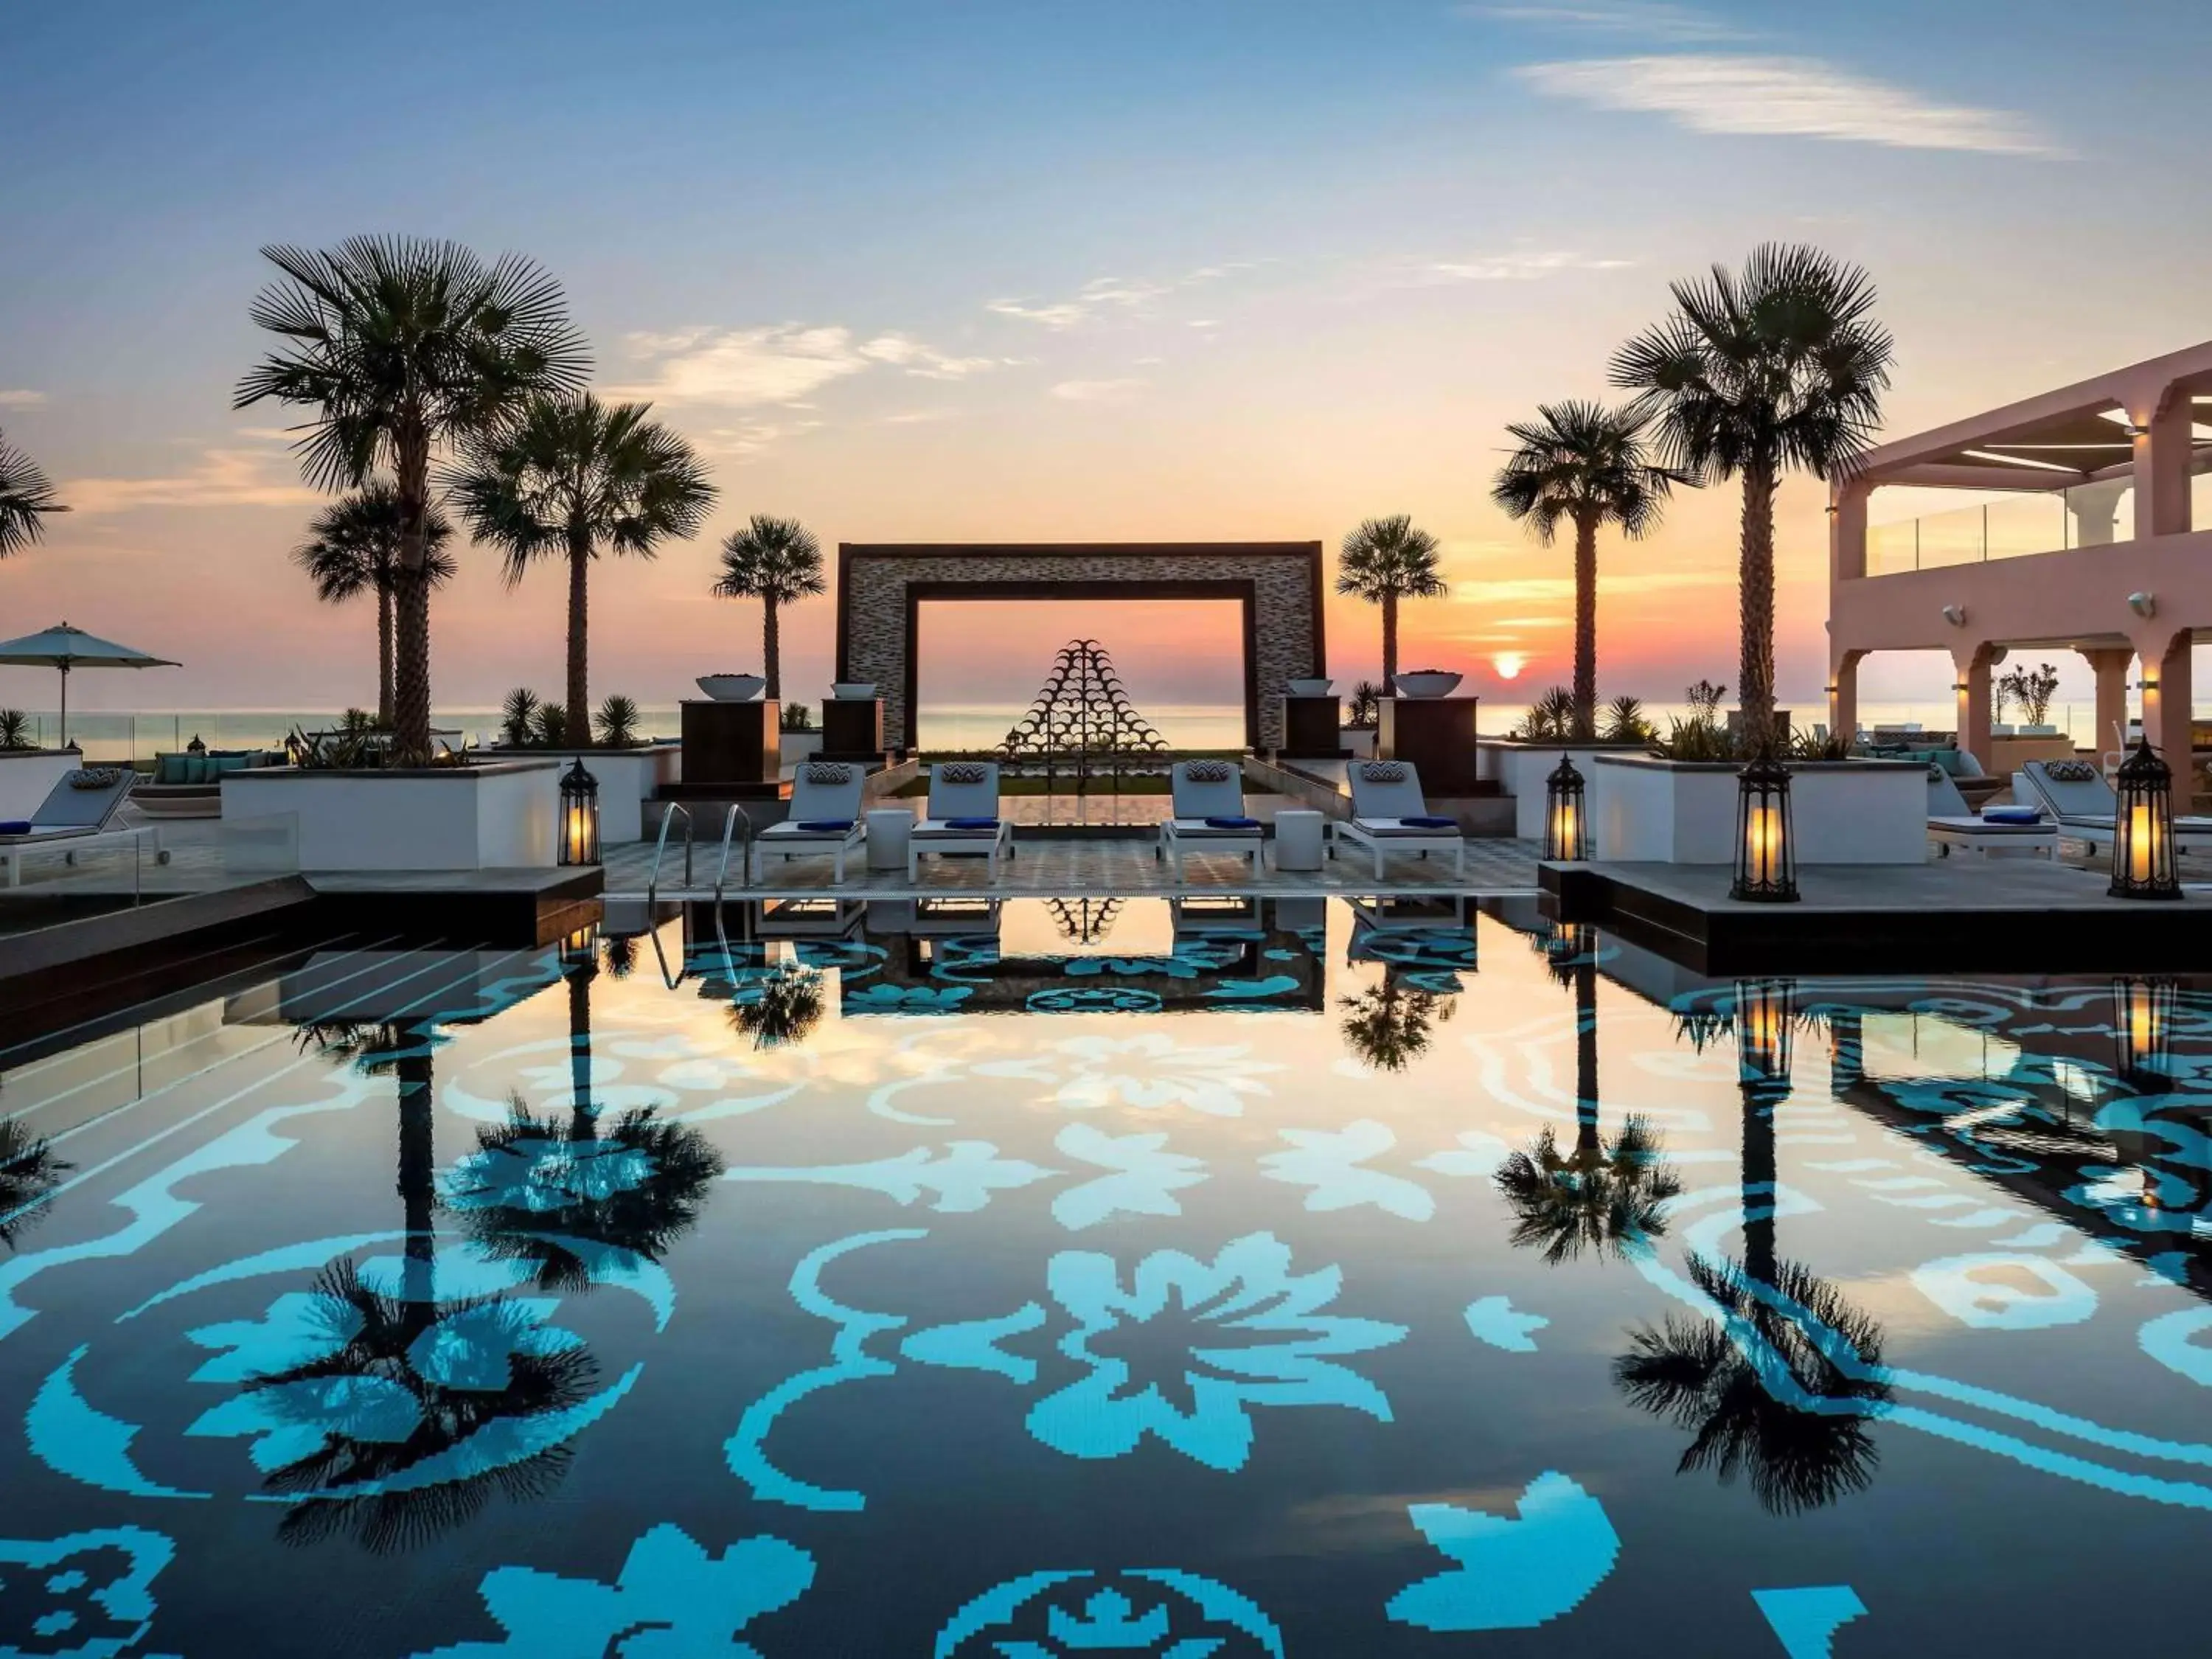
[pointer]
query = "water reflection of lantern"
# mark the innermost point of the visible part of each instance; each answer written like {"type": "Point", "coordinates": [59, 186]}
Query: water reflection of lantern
{"type": "Point", "coordinates": [581, 949]}
{"type": "Point", "coordinates": [1765, 857]}
{"type": "Point", "coordinates": [2142, 1015]}
{"type": "Point", "coordinates": [580, 816]}
{"type": "Point", "coordinates": [1765, 1014]}
{"type": "Point", "coordinates": [2142, 828]}
{"type": "Point", "coordinates": [1566, 830]}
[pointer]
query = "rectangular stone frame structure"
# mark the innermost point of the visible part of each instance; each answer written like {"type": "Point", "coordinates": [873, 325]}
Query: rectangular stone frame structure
{"type": "Point", "coordinates": [882, 587]}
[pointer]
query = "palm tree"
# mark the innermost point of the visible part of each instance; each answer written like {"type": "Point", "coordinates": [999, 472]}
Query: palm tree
{"type": "Point", "coordinates": [572, 476]}
{"type": "Point", "coordinates": [781, 1009]}
{"type": "Point", "coordinates": [775, 561]}
{"type": "Point", "coordinates": [1585, 463]}
{"type": "Point", "coordinates": [25, 496]}
{"type": "Point", "coordinates": [353, 547]}
{"type": "Point", "coordinates": [1388, 1026]}
{"type": "Point", "coordinates": [401, 348]}
{"type": "Point", "coordinates": [1384, 561]}
{"type": "Point", "coordinates": [1605, 1196]}
{"type": "Point", "coordinates": [1780, 367]}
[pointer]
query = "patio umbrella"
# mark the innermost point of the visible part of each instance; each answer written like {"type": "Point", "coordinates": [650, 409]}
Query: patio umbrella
{"type": "Point", "coordinates": [65, 647]}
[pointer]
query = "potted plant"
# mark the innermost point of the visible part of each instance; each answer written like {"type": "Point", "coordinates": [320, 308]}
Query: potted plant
{"type": "Point", "coordinates": [630, 767]}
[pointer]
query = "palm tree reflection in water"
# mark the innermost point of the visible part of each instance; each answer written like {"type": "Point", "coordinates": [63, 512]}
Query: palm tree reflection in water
{"type": "Point", "coordinates": [781, 1009]}
{"type": "Point", "coordinates": [28, 1172]}
{"type": "Point", "coordinates": [1387, 1025]}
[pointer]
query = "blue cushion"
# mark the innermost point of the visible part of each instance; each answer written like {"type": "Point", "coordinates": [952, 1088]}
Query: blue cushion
{"type": "Point", "coordinates": [169, 768]}
{"type": "Point", "coordinates": [1232, 824]}
{"type": "Point", "coordinates": [2011, 815]}
{"type": "Point", "coordinates": [15, 827]}
{"type": "Point", "coordinates": [826, 826]}
{"type": "Point", "coordinates": [1429, 823]}
{"type": "Point", "coordinates": [971, 823]}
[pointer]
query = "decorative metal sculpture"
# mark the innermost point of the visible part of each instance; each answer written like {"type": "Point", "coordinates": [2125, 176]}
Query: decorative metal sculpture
{"type": "Point", "coordinates": [1084, 921]}
{"type": "Point", "coordinates": [1082, 714]}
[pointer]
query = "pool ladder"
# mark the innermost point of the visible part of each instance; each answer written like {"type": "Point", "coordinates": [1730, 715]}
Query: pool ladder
{"type": "Point", "coordinates": [735, 815]}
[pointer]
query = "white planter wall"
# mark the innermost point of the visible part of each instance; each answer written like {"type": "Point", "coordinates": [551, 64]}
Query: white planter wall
{"type": "Point", "coordinates": [497, 817]}
{"type": "Point", "coordinates": [1655, 812]}
{"type": "Point", "coordinates": [1523, 770]}
{"type": "Point", "coordinates": [628, 778]}
{"type": "Point", "coordinates": [26, 780]}
{"type": "Point", "coordinates": [797, 746]}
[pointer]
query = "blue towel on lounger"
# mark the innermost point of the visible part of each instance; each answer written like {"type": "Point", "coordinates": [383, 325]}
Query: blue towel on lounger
{"type": "Point", "coordinates": [15, 827]}
{"type": "Point", "coordinates": [826, 826]}
{"type": "Point", "coordinates": [1232, 824]}
{"type": "Point", "coordinates": [1427, 823]}
{"type": "Point", "coordinates": [2011, 815]}
{"type": "Point", "coordinates": [971, 823]}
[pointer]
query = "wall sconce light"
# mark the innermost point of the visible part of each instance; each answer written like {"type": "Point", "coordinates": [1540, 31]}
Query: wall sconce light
{"type": "Point", "coordinates": [2142, 828]}
{"type": "Point", "coordinates": [1566, 829]}
{"type": "Point", "coordinates": [1765, 853]}
{"type": "Point", "coordinates": [580, 817]}
{"type": "Point", "coordinates": [1955, 615]}
{"type": "Point", "coordinates": [2144, 604]}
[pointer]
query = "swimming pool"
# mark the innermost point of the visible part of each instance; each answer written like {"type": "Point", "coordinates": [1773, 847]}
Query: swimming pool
{"type": "Point", "coordinates": [993, 1282]}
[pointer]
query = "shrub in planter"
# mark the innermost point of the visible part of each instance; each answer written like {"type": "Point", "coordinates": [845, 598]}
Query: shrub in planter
{"type": "Point", "coordinates": [14, 732]}
{"type": "Point", "coordinates": [618, 722]}
{"type": "Point", "coordinates": [797, 717]}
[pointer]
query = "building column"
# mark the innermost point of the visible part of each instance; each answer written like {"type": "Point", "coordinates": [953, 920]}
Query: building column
{"type": "Point", "coordinates": [2162, 446]}
{"type": "Point", "coordinates": [1972, 683]}
{"type": "Point", "coordinates": [2166, 702]}
{"type": "Point", "coordinates": [2096, 509]}
{"type": "Point", "coordinates": [2110, 664]}
{"type": "Point", "coordinates": [1843, 695]}
{"type": "Point", "coordinates": [1847, 530]}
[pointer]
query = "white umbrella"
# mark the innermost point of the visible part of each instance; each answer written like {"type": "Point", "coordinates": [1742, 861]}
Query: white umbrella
{"type": "Point", "coordinates": [65, 647]}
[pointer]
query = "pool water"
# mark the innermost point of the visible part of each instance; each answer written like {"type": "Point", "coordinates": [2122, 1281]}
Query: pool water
{"type": "Point", "coordinates": [1105, 1278]}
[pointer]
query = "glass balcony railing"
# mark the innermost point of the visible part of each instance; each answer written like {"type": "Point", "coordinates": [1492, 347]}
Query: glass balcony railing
{"type": "Point", "coordinates": [2087, 515]}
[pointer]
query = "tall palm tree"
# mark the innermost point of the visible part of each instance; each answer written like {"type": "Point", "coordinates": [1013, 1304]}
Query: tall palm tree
{"type": "Point", "coordinates": [1585, 463]}
{"type": "Point", "coordinates": [775, 561]}
{"type": "Point", "coordinates": [353, 547]}
{"type": "Point", "coordinates": [400, 348]}
{"type": "Point", "coordinates": [1780, 367]}
{"type": "Point", "coordinates": [569, 478]}
{"type": "Point", "coordinates": [25, 497]}
{"type": "Point", "coordinates": [1384, 561]}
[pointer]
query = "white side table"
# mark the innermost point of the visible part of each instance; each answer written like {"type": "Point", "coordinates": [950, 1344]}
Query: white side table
{"type": "Point", "coordinates": [889, 828]}
{"type": "Point", "coordinates": [1298, 840]}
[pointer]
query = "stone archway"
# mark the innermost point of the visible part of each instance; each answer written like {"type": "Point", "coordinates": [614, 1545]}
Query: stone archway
{"type": "Point", "coordinates": [881, 588]}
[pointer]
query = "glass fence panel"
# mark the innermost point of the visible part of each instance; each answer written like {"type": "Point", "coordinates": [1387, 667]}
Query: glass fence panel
{"type": "Point", "coordinates": [2023, 524]}
{"type": "Point", "coordinates": [1956, 537]}
{"type": "Point", "coordinates": [1893, 547]}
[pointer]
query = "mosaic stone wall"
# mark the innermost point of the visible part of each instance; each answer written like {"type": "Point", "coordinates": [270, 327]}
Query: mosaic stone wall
{"type": "Point", "coordinates": [1285, 626]}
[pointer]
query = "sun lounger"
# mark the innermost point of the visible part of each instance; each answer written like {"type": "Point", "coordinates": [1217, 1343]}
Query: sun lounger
{"type": "Point", "coordinates": [1390, 815]}
{"type": "Point", "coordinates": [824, 816]}
{"type": "Point", "coordinates": [2076, 794]}
{"type": "Point", "coordinates": [1951, 822]}
{"type": "Point", "coordinates": [964, 819]}
{"type": "Point", "coordinates": [76, 813]}
{"type": "Point", "coordinates": [1207, 811]}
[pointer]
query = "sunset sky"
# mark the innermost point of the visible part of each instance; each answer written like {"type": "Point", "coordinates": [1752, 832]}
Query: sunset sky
{"type": "Point", "coordinates": [1202, 270]}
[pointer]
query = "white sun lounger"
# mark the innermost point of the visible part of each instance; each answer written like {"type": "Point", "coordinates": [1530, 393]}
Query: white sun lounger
{"type": "Point", "coordinates": [1951, 822]}
{"type": "Point", "coordinates": [1390, 815]}
{"type": "Point", "coordinates": [76, 814]}
{"type": "Point", "coordinates": [1207, 810]}
{"type": "Point", "coordinates": [2076, 795]}
{"type": "Point", "coordinates": [824, 816]}
{"type": "Point", "coordinates": [964, 819]}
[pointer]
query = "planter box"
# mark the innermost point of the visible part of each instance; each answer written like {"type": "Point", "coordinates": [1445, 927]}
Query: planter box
{"type": "Point", "coordinates": [798, 746]}
{"type": "Point", "coordinates": [26, 780]}
{"type": "Point", "coordinates": [2008, 755]}
{"type": "Point", "coordinates": [500, 816]}
{"type": "Point", "coordinates": [1359, 739]}
{"type": "Point", "coordinates": [1521, 769]}
{"type": "Point", "coordinates": [1647, 810]}
{"type": "Point", "coordinates": [627, 779]}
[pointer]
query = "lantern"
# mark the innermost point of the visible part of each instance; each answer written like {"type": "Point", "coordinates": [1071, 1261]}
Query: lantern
{"type": "Point", "coordinates": [1566, 832]}
{"type": "Point", "coordinates": [2142, 828]}
{"type": "Point", "coordinates": [2143, 1014]}
{"type": "Point", "coordinates": [1765, 1016]}
{"type": "Point", "coordinates": [1766, 858]}
{"type": "Point", "coordinates": [196, 747]}
{"type": "Point", "coordinates": [580, 816]}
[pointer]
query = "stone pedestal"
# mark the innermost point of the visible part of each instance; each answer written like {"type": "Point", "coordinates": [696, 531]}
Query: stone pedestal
{"type": "Point", "coordinates": [1437, 734]}
{"type": "Point", "coordinates": [1311, 727]}
{"type": "Point", "coordinates": [732, 745]}
{"type": "Point", "coordinates": [853, 730]}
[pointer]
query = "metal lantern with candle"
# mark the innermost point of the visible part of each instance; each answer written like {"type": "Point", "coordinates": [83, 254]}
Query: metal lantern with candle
{"type": "Point", "coordinates": [2143, 1014]}
{"type": "Point", "coordinates": [1765, 849]}
{"type": "Point", "coordinates": [1566, 830]}
{"type": "Point", "coordinates": [580, 816]}
{"type": "Point", "coordinates": [2142, 828]}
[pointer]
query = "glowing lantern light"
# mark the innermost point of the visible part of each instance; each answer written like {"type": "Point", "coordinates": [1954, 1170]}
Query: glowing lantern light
{"type": "Point", "coordinates": [1566, 829]}
{"type": "Point", "coordinates": [2142, 828]}
{"type": "Point", "coordinates": [1765, 854]}
{"type": "Point", "coordinates": [580, 816]}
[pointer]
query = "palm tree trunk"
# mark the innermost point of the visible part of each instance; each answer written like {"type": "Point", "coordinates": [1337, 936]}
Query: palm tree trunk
{"type": "Point", "coordinates": [1755, 584]}
{"type": "Point", "coordinates": [384, 654]}
{"type": "Point", "coordinates": [580, 709]}
{"type": "Point", "coordinates": [410, 674]}
{"type": "Point", "coordinates": [583, 1116]}
{"type": "Point", "coordinates": [1389, 645]}
{"type": "Point", "coordinates": [1586, 1104]}
{"type": "Point", "coordinates": [418, 1165]}
{"type": "Point", "coordinates": [771, 648]}
{"type": "Point", "coordinates": [1585, 625]}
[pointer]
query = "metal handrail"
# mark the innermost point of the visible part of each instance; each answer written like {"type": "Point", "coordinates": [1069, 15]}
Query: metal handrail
{"type": "Point", "coordinates": [722, 872]}
{"type": "Point", "coordinates": [660, 848]}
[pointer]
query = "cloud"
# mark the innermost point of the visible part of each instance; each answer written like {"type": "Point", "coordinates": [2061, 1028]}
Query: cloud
{"type": "Point", "coordinates": [758, 368]}
{"type": "Point", "coordinates": [1652, 22]}
{"type": "Point", "coordinates": [1800, 97]}
{"type": "Point", "coordinates": [1536, 590]}
{"type": "Point", "coordinates": [1099, 391]}
{"type": "Point", "coordinates": [750, 437]}
{"type": "Point", "coordinates": [917, 416]}
{"type": "Point", "coordinates": [224, 478]}
{"type": "Point", "coordinates": [1104, 294]}
{"type": "Point", "coordinates": [21, 397]}
{"type": "Point", "coordinates": [1521, 266]}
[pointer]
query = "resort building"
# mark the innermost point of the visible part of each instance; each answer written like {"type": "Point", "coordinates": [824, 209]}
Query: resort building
{"type": "Point", "coordinates": [2091, 545]}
